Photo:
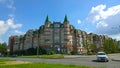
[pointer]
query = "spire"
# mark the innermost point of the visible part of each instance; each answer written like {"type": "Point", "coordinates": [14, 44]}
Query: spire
{"type": "Point", "coordinates": [66, 19]}
{"type": "Point", "coordinates": [47, 19]}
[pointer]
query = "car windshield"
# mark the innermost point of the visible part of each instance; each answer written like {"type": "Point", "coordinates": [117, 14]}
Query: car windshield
{"type": "Point", "coordinates": [101, 54]}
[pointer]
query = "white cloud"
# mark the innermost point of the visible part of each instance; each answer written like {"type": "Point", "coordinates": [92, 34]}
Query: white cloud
{"type": "Point", "coordinates": [79, 21]}
{"type": "Point", "coordinates": [116, 36]}
{"type": "Point", "coordinates": [11, 24]}
{"type": "Point", "coordinates": [10, 5]}
{"type": "Point", "coordinates": [3, 27]}
{"type": "Point", "coordinates": [100, 12]}
{"type": "Point", "coordinates": [1, 41]}
{"type": "Point", "coordinates": [95, 13]}
{"type": "Point", "coordinates": [11, 15]}
{"type": "Point", "coordinates": [18, 32]}
{"type": "Point", "coordinates": [6, 25]}
{"type": "Point", "coordinates": [105, 19]}
{"type": "Point", "coordinates": [101, 24]}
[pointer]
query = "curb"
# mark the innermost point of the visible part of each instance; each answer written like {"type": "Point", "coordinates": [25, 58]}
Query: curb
{"type": "Point", "coordinates": [115, 60]}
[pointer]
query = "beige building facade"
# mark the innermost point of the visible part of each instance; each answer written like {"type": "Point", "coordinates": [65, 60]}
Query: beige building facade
{"type": "Point", "coordinates": [58, 37]}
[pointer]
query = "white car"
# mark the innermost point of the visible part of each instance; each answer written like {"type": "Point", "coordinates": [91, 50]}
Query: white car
{"type": "Point", "coordinates": [101, 56]}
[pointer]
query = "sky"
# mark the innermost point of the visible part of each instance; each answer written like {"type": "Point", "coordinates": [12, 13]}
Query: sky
{"type": "Point", "coordinates": [96, 16]}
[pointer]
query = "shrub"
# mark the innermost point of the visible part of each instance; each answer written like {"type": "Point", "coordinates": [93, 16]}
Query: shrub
{"type": "Point", "coordinates": [72, 52]}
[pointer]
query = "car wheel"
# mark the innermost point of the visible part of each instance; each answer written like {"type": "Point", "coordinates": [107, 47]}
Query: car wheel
{"type": "Point", "coordinates": [107, 60]}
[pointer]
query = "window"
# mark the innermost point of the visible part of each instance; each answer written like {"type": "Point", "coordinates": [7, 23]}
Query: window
{"type": "Point", "coordinates": [56, 30]}
{"type": "Point", "coordinates": [67, 32]}
{"type": "Point", "coordinates": [56, 39]}
{"type": "Point", "coordinates": [47, 33]}
{"type": "Point", "coordinates": [47, 40]}
{"type": "Point", "coordinates": [56, 25]}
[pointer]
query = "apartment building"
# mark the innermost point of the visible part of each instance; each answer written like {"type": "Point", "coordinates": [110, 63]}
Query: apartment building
{"type": "Point", "coordinates": [56, 36]}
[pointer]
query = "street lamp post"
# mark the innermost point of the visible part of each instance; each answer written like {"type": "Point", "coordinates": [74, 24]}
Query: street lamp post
{"type": "Point", "coordinates": [58, 49]}
{"type": "Point", "coordinates": [37, 51]}
{"type": "Point", "coordinates": [8, 50]}
{"type": "Point", "coordinates": [38, 45]}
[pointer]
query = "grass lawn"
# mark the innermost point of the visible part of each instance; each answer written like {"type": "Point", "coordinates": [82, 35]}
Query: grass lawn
{"type": "Point", "coordinates": [44, 56]}
{"type": "Point", "coordinates": [22, 64]}
{"type": "Point", "coordinates": [5, 60]}
{"type": "Point", "coordinates": [42, 65]}
{"type": "Point", "coordinates": [2, 61]}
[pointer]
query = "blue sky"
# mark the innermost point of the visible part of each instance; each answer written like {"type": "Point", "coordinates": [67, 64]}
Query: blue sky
{"type": "Point", "coordinates": [97, 16]}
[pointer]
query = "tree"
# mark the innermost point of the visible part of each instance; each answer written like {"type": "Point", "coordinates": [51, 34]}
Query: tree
{"type": "Point", "coordinates": [110, 46]}
{"type": "Point", "coordinates": [3, 48]}
{"type": "Point", "coordinates": [107, 47]}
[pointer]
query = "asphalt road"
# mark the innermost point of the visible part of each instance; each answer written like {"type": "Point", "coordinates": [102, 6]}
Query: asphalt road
{"type": "Point", "coordinates": [83, 60]}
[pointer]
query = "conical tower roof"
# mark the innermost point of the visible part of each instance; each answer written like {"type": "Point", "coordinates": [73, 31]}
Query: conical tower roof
{"type": "Point", "coordinates": [66, 19]}
{"type": "Point", "coordinates": [47, 19]}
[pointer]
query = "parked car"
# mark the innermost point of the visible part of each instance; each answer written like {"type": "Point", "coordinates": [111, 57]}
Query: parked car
{"type": "Point", "coordinates": [101, 56]}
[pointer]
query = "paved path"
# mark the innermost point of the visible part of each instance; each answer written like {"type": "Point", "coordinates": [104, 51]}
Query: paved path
{"type": "Point", "coordinates": [76, 60]}
{"type": "Point", "coordinates": [114, 57]}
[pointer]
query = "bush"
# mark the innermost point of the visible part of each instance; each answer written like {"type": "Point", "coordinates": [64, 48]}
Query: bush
{"type": "Point", "coordinates": [72, 52]}
{"type": "Point", "coordinates": [51, 52]}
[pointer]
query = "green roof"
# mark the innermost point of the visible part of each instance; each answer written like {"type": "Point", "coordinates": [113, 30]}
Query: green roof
{"type": "Point", "coordinates": [75, 30]}
{"type": "Point", "coordinates": [52, 25]}
{"type": "Point", "coordinates": [66, 19]}
{"type": "Point", "coordinates": [47, 19]}
{"type": "Point", "coordinates": [61, 25]}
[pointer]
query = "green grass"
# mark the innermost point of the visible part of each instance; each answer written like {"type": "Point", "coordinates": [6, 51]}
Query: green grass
{"type": "Point", "coordinates": [2, 61]}
{"type": "Point", "coordinates": [52, 56]}
{"type": "Point", "coordinates": [32, 56]}
{"type": "Point", "coordinates": [39, 65]}
{"type": "Point", "coordinates": [5, 60]}
{"type": "Point", "coordinates": [43, 65]}
{"type": "Point", "coordinates": [44, 56]}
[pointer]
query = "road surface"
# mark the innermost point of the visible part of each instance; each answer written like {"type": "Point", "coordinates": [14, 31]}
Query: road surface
{"type": "Point", "coordinates": [82, 60]}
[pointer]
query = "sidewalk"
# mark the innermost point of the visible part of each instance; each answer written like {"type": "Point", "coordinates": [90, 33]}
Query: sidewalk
{"type": "Point", "coordinates": [114, 57]}
{"type": "Point", "coordinates": [78, 56]}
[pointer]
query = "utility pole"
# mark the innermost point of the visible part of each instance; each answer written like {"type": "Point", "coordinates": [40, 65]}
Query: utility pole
{"type": "Point", "coordinates": [38, 44]}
